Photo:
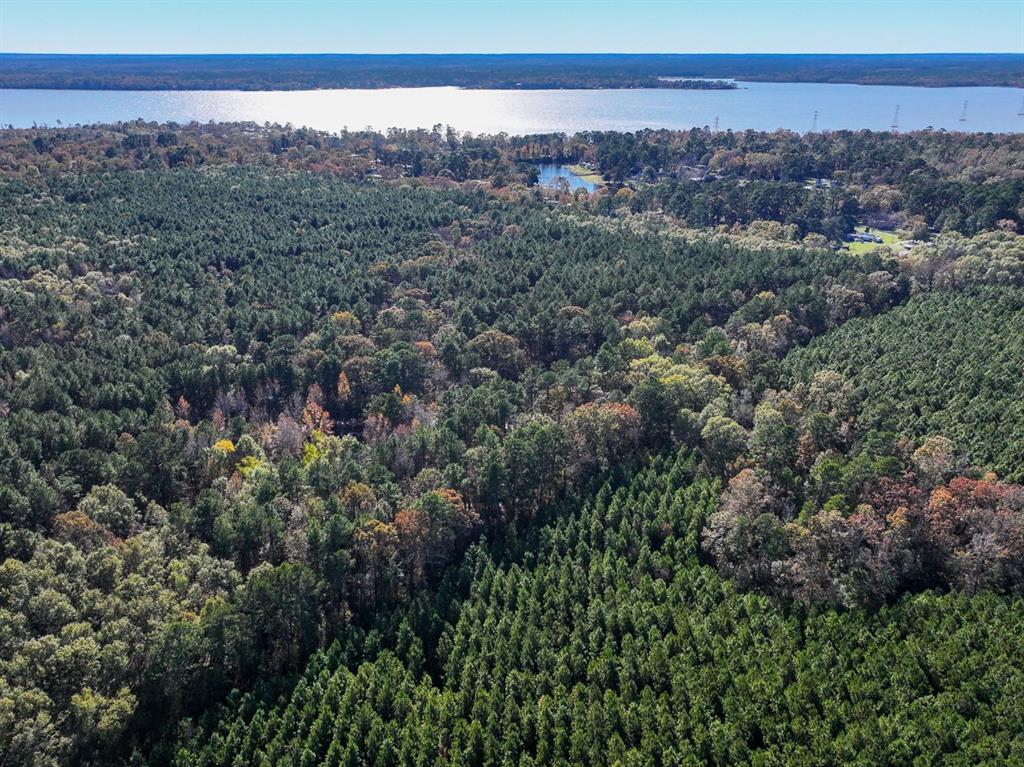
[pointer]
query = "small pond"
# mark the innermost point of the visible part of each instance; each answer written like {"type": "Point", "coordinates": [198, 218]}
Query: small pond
{"type": "Point", "coordinates": [549, 173]}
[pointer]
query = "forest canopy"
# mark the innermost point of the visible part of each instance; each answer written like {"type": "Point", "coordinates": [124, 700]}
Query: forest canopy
{"type": "Point", "coordinates": [364, 448]}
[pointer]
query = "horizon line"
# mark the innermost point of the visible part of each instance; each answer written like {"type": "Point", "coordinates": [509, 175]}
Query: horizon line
{"type": "Point", "coordinates": [517, 53]}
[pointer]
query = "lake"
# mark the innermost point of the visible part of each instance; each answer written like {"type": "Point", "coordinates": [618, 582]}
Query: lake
{"type": "Point", "coordinates": [761, 106]}
{"type": "Point", "coordinates": [549, 174]}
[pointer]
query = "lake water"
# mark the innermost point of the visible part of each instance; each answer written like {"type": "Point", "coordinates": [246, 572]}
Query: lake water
{"type": "Point", "coordinates": [762, 106]}
{"type": "Point", "coordinates": [549, 174]}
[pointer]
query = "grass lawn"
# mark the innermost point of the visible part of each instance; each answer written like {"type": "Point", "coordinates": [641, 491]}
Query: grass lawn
{"type": "Point", "coordinates": [888, 238]}
{"type": "Point", "coordinates": [588, 175]}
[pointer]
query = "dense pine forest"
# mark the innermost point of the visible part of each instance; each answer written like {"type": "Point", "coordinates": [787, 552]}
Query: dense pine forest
{"type": "Point", "coordinates": [364, 449]}
{"type": "Point", "coordinates": [609, 642]}
{"type": "Point", "coordinates": [955, 370]}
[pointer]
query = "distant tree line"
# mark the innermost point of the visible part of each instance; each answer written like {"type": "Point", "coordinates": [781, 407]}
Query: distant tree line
{"type": "Point", "coordinates": [588, 70]}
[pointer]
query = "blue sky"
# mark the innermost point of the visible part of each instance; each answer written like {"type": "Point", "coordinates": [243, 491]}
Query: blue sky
{"type": "Point", "coordinates": [486, 26]}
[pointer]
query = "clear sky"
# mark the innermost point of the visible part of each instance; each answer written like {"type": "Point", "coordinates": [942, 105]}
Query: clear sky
{"type": "Point", "coordinates": [497, 26]}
